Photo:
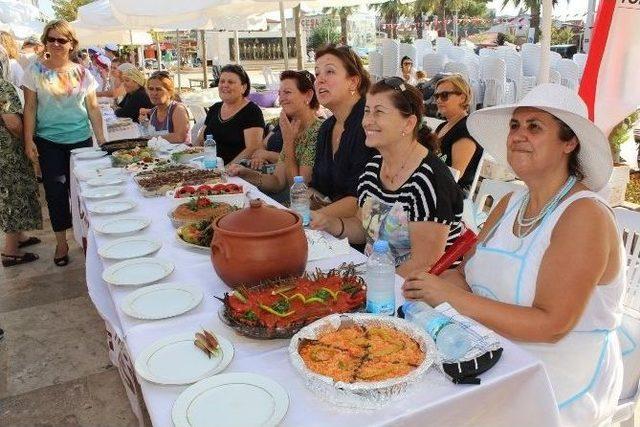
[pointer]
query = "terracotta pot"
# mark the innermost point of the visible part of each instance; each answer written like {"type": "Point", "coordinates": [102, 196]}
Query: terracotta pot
{"type": "Point", "coordinates": [258, 243]}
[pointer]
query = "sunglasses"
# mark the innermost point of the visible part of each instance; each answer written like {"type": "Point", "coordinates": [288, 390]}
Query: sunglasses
{"type": "Point", "coordinates": [445, 94]}
{"type": "Point", "coordinates": [56, 39]}
{"type": "Point", "coordinates": [410, 64]}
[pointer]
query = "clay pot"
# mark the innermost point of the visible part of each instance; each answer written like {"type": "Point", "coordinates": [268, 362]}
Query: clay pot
{"type": "Point", "coordinates": [258, 243]}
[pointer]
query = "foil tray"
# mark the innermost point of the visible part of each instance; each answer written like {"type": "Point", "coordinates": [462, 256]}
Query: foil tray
{"type": "Point", "coordinates": [361, 395]}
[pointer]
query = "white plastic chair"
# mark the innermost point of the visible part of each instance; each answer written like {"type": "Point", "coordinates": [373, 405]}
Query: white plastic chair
{"type": "Point", "coordinates": [569, 73]}
{"type": "Point", "coordinates": [496, 190]}
{"type": "Point", "coordinates": [530, 59]}
{"type": "Point", "coordinates": [408, 49]}
{"type": "Point", "coordinates": [270, 79]}
{"type": "Point", "coordinates": [486, 51]}
{"type": "Point", "coordinates": [554, 58]}
{"type": "Point", "coordinates": [457, 68]}
{"type": "Point", "coordinates": [554, 76]}
{"type": "Point", "coordinates": [375, 63]}
{"type": "Point", "coordinates": [456, 54]}
{"type": "Point", "coordinates": [196, 112]}
{"type": "Point", "coordinates": [493, 75]}
{"type": "Point", "coordinates": [581, 60]}
{"type": "Point", "coordinates": [443, 45]}
{"type": "Point", "coordinates": [390, 57]}
{"type": "Point", "coordinates": [628, 223]}
{"type": "Point", "coordinates": [423, 46]}
{"type": "Point", "coordinates": [433, 63]}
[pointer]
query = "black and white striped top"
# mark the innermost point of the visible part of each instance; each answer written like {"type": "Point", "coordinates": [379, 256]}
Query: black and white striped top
{"type": "Point", "coordinates": [430, 193]}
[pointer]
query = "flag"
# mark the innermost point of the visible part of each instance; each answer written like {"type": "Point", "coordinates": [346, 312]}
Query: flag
{"type": "Point", "coordinates": [609, 84]}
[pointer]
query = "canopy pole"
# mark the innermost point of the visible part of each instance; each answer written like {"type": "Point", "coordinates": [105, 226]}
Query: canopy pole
{"type": "Point", "coordinates": [299, 48]}
{"type": "Point", "coordinates": [545, 43]}
{"type": "Point", "coordinates": [204, 58]}
{"type": "Point", "coordinates": [158, 51]}
{"type": "Point", "coordinates": [285, 47]}
{"type": "Point", "coordinates": [236, 45]}
{"type": "Point", "coordinates": [588, 27]}
{"type": "Point", "coordinates": [179, 59]}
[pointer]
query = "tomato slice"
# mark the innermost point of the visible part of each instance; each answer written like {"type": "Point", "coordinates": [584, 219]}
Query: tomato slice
{"type": "Point", "coordinates": [234, 188]}
{"type": "Point", "coordinates": [204, 190]}
{"type": "Point", "coordinates": [186, 190]}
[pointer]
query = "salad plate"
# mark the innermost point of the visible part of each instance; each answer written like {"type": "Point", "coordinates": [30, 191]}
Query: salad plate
{"type": "Point", "coordinates": [161, 301]}
{"type": "Point", "coordinates": [138, 271]}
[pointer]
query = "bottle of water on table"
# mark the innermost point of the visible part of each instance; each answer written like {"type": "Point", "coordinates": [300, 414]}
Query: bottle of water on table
{"type": "Point", "coordinates": [452, 340]}
{"type": "Point", "coordinates": [300, 202]}
{"type": "Point", "coordinates": [381, 280]}
{"type": "Point", "coordinates": [210, 153]}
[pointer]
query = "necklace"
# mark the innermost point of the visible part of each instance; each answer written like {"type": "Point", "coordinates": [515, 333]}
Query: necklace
{"type": "Point", "coordinates": [525, 225]}
{"type": "Point", "coordinates": [392, 178]}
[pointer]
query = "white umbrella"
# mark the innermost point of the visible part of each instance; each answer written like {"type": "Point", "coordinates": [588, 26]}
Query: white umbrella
{"type": "Point", "coordinates": [89, 35]}
{"type": "Point", "coordinates": [545, 42]}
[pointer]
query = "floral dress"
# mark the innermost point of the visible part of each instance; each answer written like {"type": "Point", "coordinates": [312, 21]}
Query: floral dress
{"type": "Point", "coordinates": [19, 206]}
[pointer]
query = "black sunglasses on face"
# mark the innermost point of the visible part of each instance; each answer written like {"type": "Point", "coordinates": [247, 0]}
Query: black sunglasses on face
{"type": "Point", "coordinates": [57, 39]}
{"type": "Point", "coordinates": [444, 95]}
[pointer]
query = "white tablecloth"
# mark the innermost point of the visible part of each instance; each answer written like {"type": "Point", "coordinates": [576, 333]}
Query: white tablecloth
{"type": "Point", "coordinates": [515, 392]}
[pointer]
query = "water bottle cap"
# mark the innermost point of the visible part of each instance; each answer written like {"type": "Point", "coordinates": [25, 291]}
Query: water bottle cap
{"type": "Point", "coordinates": [298, 179]}
{"type": "Point", "coordinates": [381, 246]}
{"type": "Point", "coordinates": [209, 136]}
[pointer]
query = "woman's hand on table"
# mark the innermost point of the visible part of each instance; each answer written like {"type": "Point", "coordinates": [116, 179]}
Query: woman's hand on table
{"type": "Point", "coordinates": [235, 169]}
{"type": "Point", "coordinates": [258, 159]}
{"type": "Point", "coordinates": [31, 150]}
{"type": "Point", "coordinates": [324, 222]}
{"type": "Point", "coordinates": [431, 289]}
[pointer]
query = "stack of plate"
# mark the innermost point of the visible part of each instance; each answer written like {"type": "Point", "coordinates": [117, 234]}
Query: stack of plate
{"type": "Point", "coordinates": [390, 57]}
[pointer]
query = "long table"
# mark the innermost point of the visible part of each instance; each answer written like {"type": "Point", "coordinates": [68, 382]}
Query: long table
{"type": "Point", "coordinates": [515, 392]}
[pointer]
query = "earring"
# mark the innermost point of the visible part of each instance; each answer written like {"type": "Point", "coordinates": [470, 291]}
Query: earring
{"type": "Point", "coordinates": [353, 92]}
{"type": "Point", "coordinates": [404, 133]}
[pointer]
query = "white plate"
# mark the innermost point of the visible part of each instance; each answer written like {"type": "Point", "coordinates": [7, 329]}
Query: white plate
{"type": "Point", "coordinates": [105, 180]}
{"type": "Point", "coordinates": [129, 247]}
{"type": "Point", "coordinates": [112, 207]}
{"type": "Point", "coordinates": [161, 301]}
{"type": "Point", "coordinates": [96, 153]}
{"type": "Point", "coordinates": [176, 360]}
{"type": "Point", "coordinates": [122, 226]}
{"type": "Point", "coordinates": [138, 271]}
{"type": "Point", "coordinates": [83, 150]}
{"type": "Point", "coordinates": [85, 174]}
{"type": "Point", "coordinates": [102, 192]}
{"type": "Point", "coordinates": [234, 399]}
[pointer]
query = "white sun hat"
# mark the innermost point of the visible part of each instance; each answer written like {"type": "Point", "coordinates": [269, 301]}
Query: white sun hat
{"type": "Point", "coordinates": [490, 127]}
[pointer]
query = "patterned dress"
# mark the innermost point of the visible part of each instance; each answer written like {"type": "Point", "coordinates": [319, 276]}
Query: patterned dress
{"type": "Point", "coordinates": [19, 206]}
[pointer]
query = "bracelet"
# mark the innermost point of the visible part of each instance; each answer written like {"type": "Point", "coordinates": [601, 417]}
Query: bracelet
{"type": "Point", "coordinates": [341, 228]}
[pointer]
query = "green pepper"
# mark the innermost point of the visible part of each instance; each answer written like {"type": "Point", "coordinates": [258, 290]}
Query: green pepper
{"type": "Point", "coordinates": [281, 306]}
{"type": "Point", "coordinates": [323, 294]}
{"type": "Point", "coordinates": [333, 294]}
{"type": "Point", "coordinates": [250, 315]}
{"type": "Point", "coordinates": [272, 311]}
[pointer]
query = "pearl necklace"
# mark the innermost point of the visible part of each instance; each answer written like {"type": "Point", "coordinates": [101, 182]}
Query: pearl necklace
{"type": "Point", "coordinates": [525, 225]}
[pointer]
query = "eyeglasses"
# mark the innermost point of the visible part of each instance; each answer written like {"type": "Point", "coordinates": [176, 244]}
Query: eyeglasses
{"type": "Point", "coordinates": [396, 83]}
{"type": "Point", "coordinates": [445, 94]}
{"type": "Point", "coordinates": [410, 64]}
{"type": "Point", "coordinates": [57, 39]}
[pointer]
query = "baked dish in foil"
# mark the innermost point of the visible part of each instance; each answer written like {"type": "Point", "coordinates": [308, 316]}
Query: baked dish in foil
{"type": "Point", "coordinates": [359, 360]}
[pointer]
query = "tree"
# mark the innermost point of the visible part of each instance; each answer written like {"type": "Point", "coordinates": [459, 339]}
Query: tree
{"type": "Point", "coordinates": [323, 34]}
{"type": "Point", "coordinates": [342, 13]}
{"type": "Point", "coordinates": [420, 9]}
{"type": "Point", "coordinates": [68, 9]}
{"type": "Point", "coordinates": [534, 6]}
{"type": "Point", "coordinates": [391, 11]}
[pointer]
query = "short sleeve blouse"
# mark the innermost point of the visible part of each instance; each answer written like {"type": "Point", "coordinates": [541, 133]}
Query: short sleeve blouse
{"type": "Point", "coordinates": [229, 133]}
{"type": "Point", "coordinates": [61, 114]}
{"type": "Point", "coordinates": [305, 149]}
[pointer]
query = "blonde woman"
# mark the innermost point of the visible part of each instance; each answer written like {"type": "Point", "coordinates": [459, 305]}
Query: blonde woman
{"type": "Point", "coordinates": [61, 109]}
{"type": "Point", "coordinates": [169, 117]}
{"type": "Point", "coordinates": [16, 73]}
{"type": "Point", "coordinates": [456, 146]}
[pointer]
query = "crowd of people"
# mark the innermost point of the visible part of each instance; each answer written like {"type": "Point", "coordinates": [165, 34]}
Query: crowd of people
{"type": "Point", "coordinates": [375, 171]}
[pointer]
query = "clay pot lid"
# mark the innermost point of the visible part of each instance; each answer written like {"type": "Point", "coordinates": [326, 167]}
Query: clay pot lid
{"type": "Point", "coordinates": [257, 218]}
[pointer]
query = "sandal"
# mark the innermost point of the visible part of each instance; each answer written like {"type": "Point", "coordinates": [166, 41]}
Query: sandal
{"type": "Point", "coordinates": [29, 242]}
{"type": "Point", "coordinates": [11, 260]}
{"type": "Point", "coordinates": [63, 260]}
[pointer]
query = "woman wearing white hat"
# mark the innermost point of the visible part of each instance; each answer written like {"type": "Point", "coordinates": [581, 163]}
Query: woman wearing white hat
{"type": "Point", "coordinates": [548, 270]}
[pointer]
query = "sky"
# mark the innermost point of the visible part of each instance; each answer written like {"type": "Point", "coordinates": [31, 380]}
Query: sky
{"type": "Point", "coordinates": [564, 7]}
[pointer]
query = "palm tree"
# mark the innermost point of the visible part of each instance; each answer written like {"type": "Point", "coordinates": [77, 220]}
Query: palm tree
{"type": "Point", "coordinates": [343, 13]}
{"type": "Point", "coordinates": [420, 9]}
{"type": "Point", "coordinates": [534, 7]}
{"type": "Point", "coordinates": [391, 11]}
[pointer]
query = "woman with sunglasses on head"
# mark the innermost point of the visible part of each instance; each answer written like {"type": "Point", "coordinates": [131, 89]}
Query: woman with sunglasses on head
{"type": "Point", "coordinates": [407, 72]}
{"type": "Point", "coordinates": [455, 145]}
{"type": "Point", "coordinates": [61, 110]}
{"type": "Point", "coordinates": [341, 154]}
{"type": "Point", "coordinates": [169, 118]}
{"type": "Point", "coordinates": [406, 195]}
{"type": "Point", "coordinates": [237, 124]}
{"type": "Point", "coordinates": [299, 131]}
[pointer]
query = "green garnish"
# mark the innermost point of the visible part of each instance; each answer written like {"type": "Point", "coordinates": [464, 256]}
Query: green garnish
{"type": "Point", "coordinates": [323, 294]}
{"type": "Point", "coordinates": [250, 315]}
{"type": "Point", "coordinates": [272, 311]}
{"type": "Point", "coordinates": [281, 306]}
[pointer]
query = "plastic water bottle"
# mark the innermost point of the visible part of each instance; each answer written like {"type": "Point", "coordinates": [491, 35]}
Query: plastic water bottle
{"type": "Point", "coordinates": [452, 340]}
{"type": "Point", "coordinates": [300, 202]}
{"type": "Point", "coordinates": [381, 280]}
{"type": "Point", "coordinates": [210, 153]}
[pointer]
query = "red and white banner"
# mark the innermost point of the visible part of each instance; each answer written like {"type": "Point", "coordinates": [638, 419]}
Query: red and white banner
{"type": "Point", "coordinates": [610, 85]}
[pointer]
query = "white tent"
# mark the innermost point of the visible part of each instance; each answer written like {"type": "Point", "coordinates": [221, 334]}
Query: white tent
{"type": "Point", "coordinates": [20, 19]}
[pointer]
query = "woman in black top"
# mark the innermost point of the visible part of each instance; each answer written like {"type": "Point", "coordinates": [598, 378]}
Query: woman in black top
{"type": "Point", "coordinates": [136, 96]}
{"type": "Point", "coordinates": [457, 148]}
{"type": "Point", "coordinates": [406, 195]}
{"type": "Point", "coordinates": [341, 155]}
{"type": "Point", "coordinates": [237, 124]}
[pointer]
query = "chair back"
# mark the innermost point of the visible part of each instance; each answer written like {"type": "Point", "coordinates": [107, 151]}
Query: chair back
{"type": "Point", "coordinates": [530, 59]}
{"type": "Point", "coordinates": [375, 64]}
{"type": "Point", "coordinates": [554, 76]}
{"type": "Point", "coordinates": [581, 60]}
{"type": "Point", "coordinates": [457, 68]}
{"type": "Point", "coordinates": [496, 190]}
{"type": "Point", "coordinates": [423, 46]}
{"type": "Point", "coordinates": [628, 223]}
{"type": "Point", "coordinates": [270, 79]}
{"type": "Point", "coordinates": [456, 53]}
{"type": "Point", "coordinates": [569, 73]}
{"type": "Point", "coordinates": [443, 44]}
{"type": "Point", "coordinates": [390, 57]}
{"type": "Point", "coordinates": [493, 73]}
{"type": "Point", "coordinates": [433, 63]}
{"type": "Point", "coordinates": [486, 51]}
{"type": "Point", "coordinates": [408, 49]}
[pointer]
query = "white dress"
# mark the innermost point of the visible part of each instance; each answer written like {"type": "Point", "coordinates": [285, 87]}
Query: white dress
{"type": "Point", "coordinates": [585, 366]}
